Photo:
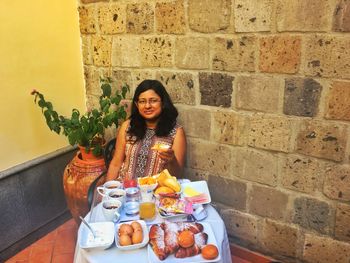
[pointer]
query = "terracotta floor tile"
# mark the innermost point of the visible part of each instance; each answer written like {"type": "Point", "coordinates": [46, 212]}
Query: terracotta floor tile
{"type": "Point", "coordinates": [239, 260]}
{"type": "Point", "coordinates": [65, 242]}
{"type": "Point", "coordinates": [248, 255]}
{"type": "Point", "coordinates": [17, 261]}
{"type": "Point", "coordinates": [70, 224]}
{"type": "Point", "coordinates": [22, 256]}
{"type": "Point", "coordinates": [48, 239]}
{"type": "Point", "coordinates": [57, 246]}
{"type": "Point", "coordinates": [63, 258]}
{"type": "Point", "coordinates": [41, 253]}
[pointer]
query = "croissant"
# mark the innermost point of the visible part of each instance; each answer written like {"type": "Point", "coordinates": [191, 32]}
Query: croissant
{"type": "Point", "coordinates": [201, 239]}
{"type": "Point", "coordinates": [193, 227]}
{"type": "Point", "coordinates": [187, 252]}
{"type": "Point", "coordinates": [156, 235]}
{"type": "Point", "coordinates": [164, 239]}
{"type": "Point", "coordinates": [170, 237]}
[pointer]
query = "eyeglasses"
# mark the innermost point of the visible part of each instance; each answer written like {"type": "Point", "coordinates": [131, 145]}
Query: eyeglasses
{"type": "Point", "coordinates": [150, 101]}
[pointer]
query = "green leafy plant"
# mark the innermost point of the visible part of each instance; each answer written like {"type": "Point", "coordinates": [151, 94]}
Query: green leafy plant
{"type": "Point", "coordinates": [87, 129]}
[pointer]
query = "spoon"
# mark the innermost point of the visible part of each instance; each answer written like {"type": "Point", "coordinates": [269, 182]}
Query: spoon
{"type": "Point", "coordinates": [88, 225]}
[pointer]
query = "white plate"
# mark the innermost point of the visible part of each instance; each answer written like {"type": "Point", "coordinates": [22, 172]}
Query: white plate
{"type": "Point", "coordinates": [136, 246]}
{"type": "Point", "coordinates": [104, 239]}
{"type": "Point", "coordinates": [198, 258]}
{"type": "Point", "coordinates": [177, 216]}
{"type": "Point", "coordinates": [199, 186]}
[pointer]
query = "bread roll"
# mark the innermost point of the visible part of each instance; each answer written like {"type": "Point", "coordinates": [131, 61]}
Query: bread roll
{"type": "Point", "coordinates": [210, 251]}
{"type": "Point", "coordinates": [186, 239]}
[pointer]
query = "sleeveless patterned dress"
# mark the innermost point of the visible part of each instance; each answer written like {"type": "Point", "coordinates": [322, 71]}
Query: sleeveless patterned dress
{"type": "Point", "coordinates": [140, 159]}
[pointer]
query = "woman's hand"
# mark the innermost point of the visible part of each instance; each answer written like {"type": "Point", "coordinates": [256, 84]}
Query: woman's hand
{"type": "Point", "coordinates": [174, 158]}
{"type": "Point", "coordinates": [166, 155]}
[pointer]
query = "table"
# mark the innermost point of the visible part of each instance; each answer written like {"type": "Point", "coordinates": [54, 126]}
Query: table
{"type": "Point", "coordinates": [115, 255]}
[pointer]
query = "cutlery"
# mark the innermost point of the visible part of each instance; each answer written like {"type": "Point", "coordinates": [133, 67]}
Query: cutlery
{"type": "Point", "coordinates": [88, 225]}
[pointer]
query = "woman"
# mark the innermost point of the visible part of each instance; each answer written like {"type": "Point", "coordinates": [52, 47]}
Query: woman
{"type": "Point", "coordinates": [152, 122]}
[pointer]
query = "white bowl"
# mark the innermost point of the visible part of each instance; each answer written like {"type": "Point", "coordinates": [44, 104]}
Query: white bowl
{"type": "Point", "coordinates": [135, 246]}
{"type": "Point", "coordinates": [104, 239]}
{"type": "Point", "coordinates": [148, 187]}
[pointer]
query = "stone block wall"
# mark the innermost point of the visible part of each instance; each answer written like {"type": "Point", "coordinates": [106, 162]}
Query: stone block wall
{"type": "Point", "coordinates": [263, 90]}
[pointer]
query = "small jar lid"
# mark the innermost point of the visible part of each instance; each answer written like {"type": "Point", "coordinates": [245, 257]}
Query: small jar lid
{"type": "Point", "coordinates": [132, 191]}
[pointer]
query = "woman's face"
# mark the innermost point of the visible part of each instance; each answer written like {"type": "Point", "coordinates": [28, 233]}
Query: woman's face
{"type": "Point", "coordinates": [149, 105]}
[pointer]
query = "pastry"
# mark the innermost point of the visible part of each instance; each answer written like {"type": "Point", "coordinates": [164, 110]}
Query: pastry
{"type": "Point", "coordinates": [156, 236]}
{"type": "Point", "coordinates": [183, 239]}
{"type": "Point", "coordinates": [170, 237]}
{"type": "Point", "coordinates": [210, 251]}
{"type": "Point", "coordinates": [193, 227]}
{"type": "Point", "coordinates": [186, 239]}
{"type": "Point", "coordinates": [201, 239]}
{"type": "Point", "coordinates": [166, 179]}
{"type": "Point", "coordinates": [164, 189]}
{"type": "Point", "coordinates": [160, 147]}
{"type": "Point", "coordinates": [187, 252]}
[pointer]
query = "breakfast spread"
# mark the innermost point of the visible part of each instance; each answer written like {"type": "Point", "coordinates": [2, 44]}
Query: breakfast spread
{"type": "Point", "coordinates": [182, 239]}
{"type": "Point", "coordinates": [170, 240]}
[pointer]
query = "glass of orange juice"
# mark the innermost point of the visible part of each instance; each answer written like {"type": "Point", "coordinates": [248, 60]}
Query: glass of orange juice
{"type": "Point", "coordinates": [147, 206]}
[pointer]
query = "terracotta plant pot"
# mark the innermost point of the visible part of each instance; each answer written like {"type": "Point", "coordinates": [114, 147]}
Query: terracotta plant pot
{"type": "Point", "coordinates": [88, 156]}
{"type": "Point", "coordinates": [78, 175]}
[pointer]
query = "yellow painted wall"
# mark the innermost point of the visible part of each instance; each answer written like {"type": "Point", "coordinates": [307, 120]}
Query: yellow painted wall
{"type": "Point", "coordinates": [39, 48]}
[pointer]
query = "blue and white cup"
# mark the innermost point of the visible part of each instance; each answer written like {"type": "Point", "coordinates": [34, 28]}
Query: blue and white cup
{"type": "Point", "coordinates": [111, 209]}
{"type": "Point", "coordinates": [108, 186]}
{"type": "Point", "coordinates": [116, 194]}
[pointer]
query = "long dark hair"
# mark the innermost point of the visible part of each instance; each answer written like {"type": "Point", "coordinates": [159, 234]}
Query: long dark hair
{"type": "Point", "coordinates": [167, 118]}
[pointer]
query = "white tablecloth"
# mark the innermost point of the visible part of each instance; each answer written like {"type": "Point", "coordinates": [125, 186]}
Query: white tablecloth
{"type": "Point", "coordinates": [115, 255]}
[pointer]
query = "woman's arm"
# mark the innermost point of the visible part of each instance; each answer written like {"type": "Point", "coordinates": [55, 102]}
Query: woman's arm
{"type": "Point", "coordinates": [175, 157]}
{"type": "Point", "coordinates": [119, 153]}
